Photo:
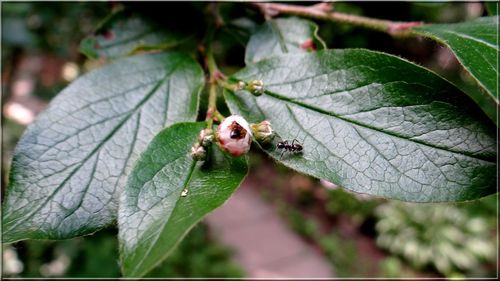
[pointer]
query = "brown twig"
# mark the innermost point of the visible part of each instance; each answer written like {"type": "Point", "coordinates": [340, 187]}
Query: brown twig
{"type": "Point", "coordinates": [322, 11]}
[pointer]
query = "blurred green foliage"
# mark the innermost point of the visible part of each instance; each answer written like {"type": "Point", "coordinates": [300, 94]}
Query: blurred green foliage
{"type": "Point", "coordinates": [54, 27]}
{"type": "Point", "coordinates": [443, 236]}
{"type": "Point", "coordinates": [391, 267]}
{"type": "Point", "coordinates": [343, 202]}
{"type": "Point", "coordinates": [451, 240]}
{"type": "Point", "coordinates": [97, 256]}
{"type": "Point", "coordinates": [47, 30]}
{"type": "Point", "coordinates": [456, 240]}
{"type": "Point", "coordinates": [343, 254]}
{"type": "Point", "coordinates": [306, 227]}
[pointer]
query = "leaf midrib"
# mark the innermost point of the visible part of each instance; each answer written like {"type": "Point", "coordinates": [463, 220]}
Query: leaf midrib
{"type": "Point", "coordinates": [322, 111]}
{"type": "Point", "coordinates": [99, 146]}
{"type": "Point", "coordinates": [281, 39]}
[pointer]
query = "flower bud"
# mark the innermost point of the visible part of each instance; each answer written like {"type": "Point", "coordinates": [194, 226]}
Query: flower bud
{"type": "Point", "coordinates": [256, 87]}
{"type": "Point", "coordinates": [234, 135]}
{"type": "Point", "coordinates": [263, 131]}
{"type": "Point", "coordinates": [205, 137]}
{"type": "Point", "coordinates": [198, 152]}
{"type": "Point", "coordinates": [241, 85]}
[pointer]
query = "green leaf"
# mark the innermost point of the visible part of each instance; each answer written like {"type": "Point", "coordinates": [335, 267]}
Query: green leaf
{"type": "Point", "coordinates": [283, 36]}
{"type": "Point", "coordinates": [72, 162]}
{"type": "Point", "coordinates": [122, 35]}
{"type": "Point", "coordinates": [475, 45]}
{"type": "Point", "coordinates": [492, 8]}
{"type": "Point", "coordinates": [153, 216]}
{"type": "Point", "coordinates": [373, 123]}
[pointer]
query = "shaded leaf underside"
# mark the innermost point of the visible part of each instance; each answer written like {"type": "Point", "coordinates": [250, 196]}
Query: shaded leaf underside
{"type": "Point", "coordinates": [123, 36]}
{"type": "Point", "coordinates": [73, 160]}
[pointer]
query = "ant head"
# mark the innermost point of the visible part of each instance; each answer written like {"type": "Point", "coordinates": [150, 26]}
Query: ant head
{"type": "Point", "coordinates": [280, 144]}
{"type": "Point", "coordinates": [235, 134]}
{"type": "Point", "coordinates": [237, 131]}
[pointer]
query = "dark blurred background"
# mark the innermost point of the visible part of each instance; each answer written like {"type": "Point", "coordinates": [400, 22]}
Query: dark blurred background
{"type": "Point", "coordinates": [358, 235]}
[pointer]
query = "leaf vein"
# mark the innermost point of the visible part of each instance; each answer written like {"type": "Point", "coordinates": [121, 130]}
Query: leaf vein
{"type": "Point", "coordinates": [319, 110]}
{"type": "Point", "coordinates": [98, 147]}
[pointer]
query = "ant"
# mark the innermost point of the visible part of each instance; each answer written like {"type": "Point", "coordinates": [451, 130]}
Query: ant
{"type": "Point", "coordinates": [237, 131]}
{"type": "Point", "coordinates": [293, 147]}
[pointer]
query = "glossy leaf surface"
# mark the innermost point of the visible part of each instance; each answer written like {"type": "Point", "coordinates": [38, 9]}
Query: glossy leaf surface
{"type": "Point", "coordinates": [475, 45]}
{"type": "Point", "coordinates": [153, 215]}
{"type": "Point", "coordinates": [71, 163]}
{"type": "Point", "coordinates": [373, 123]}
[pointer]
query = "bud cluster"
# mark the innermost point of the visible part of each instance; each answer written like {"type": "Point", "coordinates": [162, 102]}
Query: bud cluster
{"type": "Point", "coordinates": [234, 136]}
{"type": "Point", "coordinates": [199, 149]}
{"type": "Point", "coordinates": [255, 87]}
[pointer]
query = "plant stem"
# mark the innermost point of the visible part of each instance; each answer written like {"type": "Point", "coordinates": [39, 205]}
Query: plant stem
{"type": "Point", "coordinates": [218, 116]}
{"type": "Point", "coordinates": [322, 11]}
{"type": "Point", "coordinates": [212, 104]}
{"type": "Point", "coordinates": [224, 84]}
{"type": "Point", "coordinates": [211, 65]}
{"type": "Point", "coordinates": [214, 75]}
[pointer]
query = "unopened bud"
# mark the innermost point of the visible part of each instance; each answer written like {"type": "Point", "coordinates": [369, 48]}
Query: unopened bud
{"type": "Point", "coordinates": [206, 137]}
{"type": "Point", "coordinates": [198, 152]}
{"type": "Point", "coordinates": [234, 135]}
{"type": "Point", "coordinates": [256, 87]}
{"type": "Point", "coordinates": [241, 85]}
{"type": "Point", "coordinates": [263, 131]}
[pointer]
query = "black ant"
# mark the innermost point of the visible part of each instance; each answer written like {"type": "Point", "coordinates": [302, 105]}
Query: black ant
{"type": "Point", "coordinates": [237, 131]}
{"type": "Point", "coordinates": [293, 147]}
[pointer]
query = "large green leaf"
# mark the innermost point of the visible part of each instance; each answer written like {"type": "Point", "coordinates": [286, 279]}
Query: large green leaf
{"type": "Point", "coordinates": [373, 123]}
{"type": "Point", "coordinates": [122, 35]}
{"type": "Point", "coordinates": [283, 36]}
{"type": "Point", "coordinates": [476, 47]}
{"type": "Point", "coordinates": [153, 216]}
{"type": "Point", "coordinates": [71, 163]}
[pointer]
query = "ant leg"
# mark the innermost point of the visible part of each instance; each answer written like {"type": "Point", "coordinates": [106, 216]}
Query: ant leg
{"type": "Point", "coordinates": [282, 154]}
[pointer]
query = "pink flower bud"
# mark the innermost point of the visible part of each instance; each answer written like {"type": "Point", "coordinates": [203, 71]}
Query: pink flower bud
{"type": "Point", "coordinates": [234, 135]}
